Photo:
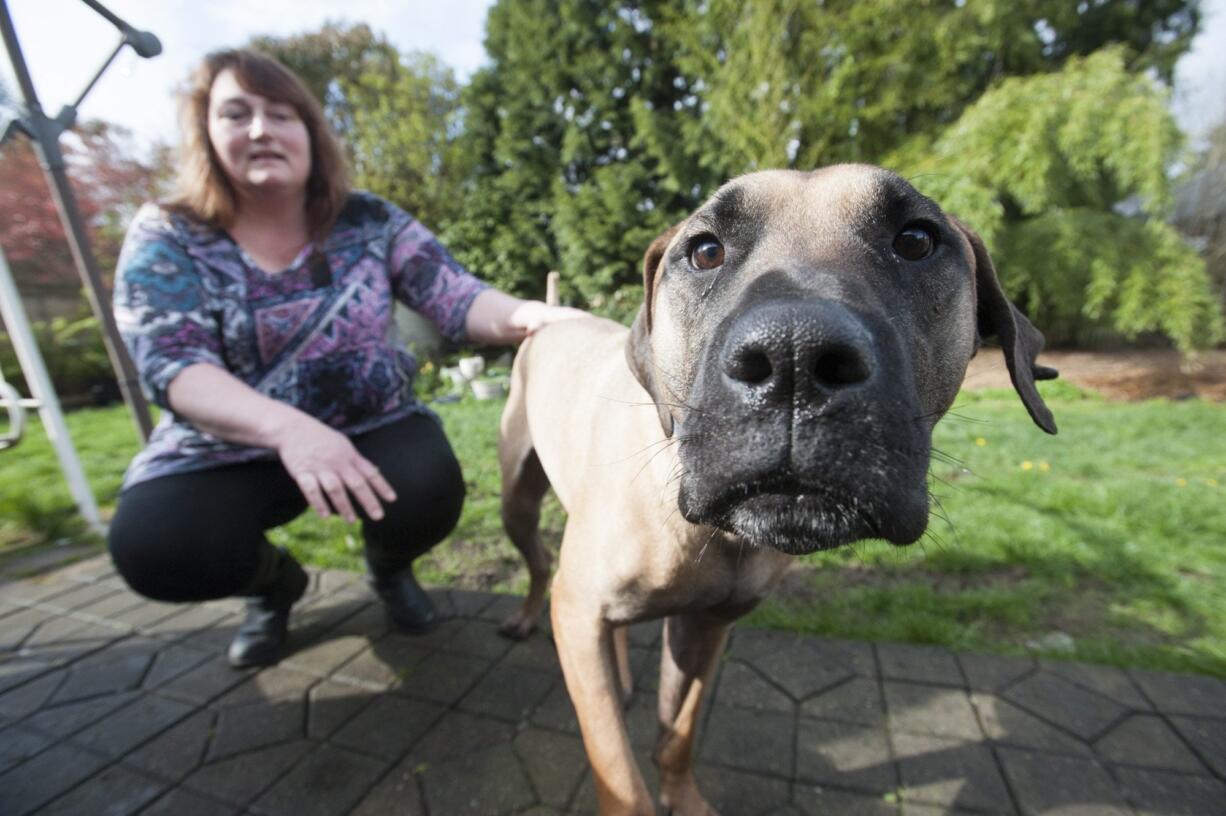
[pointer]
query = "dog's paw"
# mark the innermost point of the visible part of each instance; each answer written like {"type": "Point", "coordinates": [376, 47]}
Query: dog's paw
{"type": "Point", "coordinates": [517, 626]}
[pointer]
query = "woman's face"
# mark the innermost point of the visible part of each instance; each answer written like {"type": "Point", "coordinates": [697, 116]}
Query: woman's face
{"type": "Point", "coordinates": [261, 144]}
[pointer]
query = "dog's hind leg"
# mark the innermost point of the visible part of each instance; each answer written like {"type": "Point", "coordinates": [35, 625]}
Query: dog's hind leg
{"type": "Point", "coordinates": [524, 485]}
{"type": "Point", "coordinates": [693, 643]}
{"type": "Point", "coordinates": [621, 652]}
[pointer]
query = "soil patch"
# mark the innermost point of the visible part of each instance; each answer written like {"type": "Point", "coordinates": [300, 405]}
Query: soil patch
{"type": "Point", "coordinates": [1119, 375]}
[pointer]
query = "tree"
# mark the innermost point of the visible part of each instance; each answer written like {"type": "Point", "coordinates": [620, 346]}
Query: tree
{"type": "Point", "coordinates": [1046, 169]}
{"type": "Point", "coordinates": [331, 61]}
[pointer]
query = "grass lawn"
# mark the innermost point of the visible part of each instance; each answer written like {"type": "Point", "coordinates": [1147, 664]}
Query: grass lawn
{"type": "Point", "coordinates": [1105, 543]}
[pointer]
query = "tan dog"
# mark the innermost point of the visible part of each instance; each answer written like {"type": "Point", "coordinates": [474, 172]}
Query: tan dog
{"type": "Point", "coordinates": [801, 335]}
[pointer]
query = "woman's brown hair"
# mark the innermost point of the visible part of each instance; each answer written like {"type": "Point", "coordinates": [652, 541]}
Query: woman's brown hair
{"type": "Point", "coordinates": [204, 190]}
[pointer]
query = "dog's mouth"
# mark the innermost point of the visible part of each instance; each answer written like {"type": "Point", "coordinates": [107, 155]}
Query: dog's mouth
{"type": "Point", "coordinates": [798, 517]}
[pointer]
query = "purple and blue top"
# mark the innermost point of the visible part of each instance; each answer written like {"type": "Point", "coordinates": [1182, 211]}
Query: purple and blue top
{"type": "Point", "coordinates": [318, 335]}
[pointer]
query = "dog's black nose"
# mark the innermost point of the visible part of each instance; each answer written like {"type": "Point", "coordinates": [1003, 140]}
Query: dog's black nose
{"type": "Point", "coordinates": [808, 350]}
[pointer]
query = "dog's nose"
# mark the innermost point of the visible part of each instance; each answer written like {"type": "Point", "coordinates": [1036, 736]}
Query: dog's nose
{"type": "Point", "coordinates": [808, 350]}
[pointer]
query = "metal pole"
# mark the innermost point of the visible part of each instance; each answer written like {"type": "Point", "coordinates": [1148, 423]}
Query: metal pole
{"type": "Point", "coordinates": [45, 131]}
{"type": "Point", "coordinates": [44, 392]}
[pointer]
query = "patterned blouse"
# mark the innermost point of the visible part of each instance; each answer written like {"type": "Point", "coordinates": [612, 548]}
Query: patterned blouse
{"type": "Point", "coordinates": [318, 335]}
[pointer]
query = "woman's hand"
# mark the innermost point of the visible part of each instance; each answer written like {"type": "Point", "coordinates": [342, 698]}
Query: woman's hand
{"type": "Point", "coordinates": [531, 315]}
{"type": "Point", "coordinates": [328, 468]}
{"type": "Point", "coordinates": [496, 318]}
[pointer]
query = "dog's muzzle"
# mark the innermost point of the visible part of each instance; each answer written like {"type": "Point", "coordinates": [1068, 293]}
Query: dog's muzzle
{"type": "Point", "coordinates": [805, 433]}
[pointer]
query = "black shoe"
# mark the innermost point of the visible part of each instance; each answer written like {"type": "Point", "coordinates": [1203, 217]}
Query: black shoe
{"type": "Point", "coordinates": [262, 634]}
{"type": "Point", "coordinates": [409, 608]}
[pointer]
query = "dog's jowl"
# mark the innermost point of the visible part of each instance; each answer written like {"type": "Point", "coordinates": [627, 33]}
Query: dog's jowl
{"type": "Point", "coordinates": [800, 336]}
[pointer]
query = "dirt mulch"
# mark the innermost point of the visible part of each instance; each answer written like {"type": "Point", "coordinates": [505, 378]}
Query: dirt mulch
{"type": "Point", "coordinates": [1119, 375]}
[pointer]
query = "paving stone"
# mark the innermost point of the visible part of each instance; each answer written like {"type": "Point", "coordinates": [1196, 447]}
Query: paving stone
{"type": "Point", "coordinates": [179, 750]}
{"type": "Point", "coordinates": [116, 791]}
{"type": "Point", "coordinates": [330, 581]}
{"type": "Point", "coordinates": [646, 634]}
{"type": "Point", "coordinates": [950, 773]}
{"type": "Point", "coordinates": [271, 685]}
{"type": "Point", "coordinates": [181, 802]}
{"type": "Point", "coordinates": [992, 673]}
{"type": "Point", "coordinates": [470, 604]}
{"type": "Point", "coordinates": [846, 756]}
{"type": "Point", "coordinates": [1148, 741]}
{"type": "Point", "coordinates": [239, 779]}
{"type": "Point", "coordinates": [1207, 737]}
{"type": "Point", "coordinates": [109, 608]}
{"type": "Point", "coordinates": [324, 657]}
{"type": "Point", "coordinates": [1068, 786]}
{"type": "Point", "coordinates": [147, 614]}
{"type": "Point", "coordinates": [478, 639]}
{"type": "Point", "coordinates": [397, 794]}
{"type": "Point", "coordinates": [537, 653]}
{"type": "Point", "coordinates": [857, 701]}
{"type": "Point", "coordinates": [118, 668]}
{"type": "Point", "coordinates": [206, 681]}
{"type": "Point", "coordinates": [127, 727]}
{"type": "Point", "coordinates": [81, 595]}
{"type": "Point", "coordinates": [742, 687]}
{"type": "Point", "coordinates": [389, 726]}
{"type": "Point", "coordinates": [459, 733]}
{"type": "Point", "coordinates": [252, 727]}
{"type": "Point", "coordinates": [171, 661]}
{"type": "Point", "coordinates": [25, 699]}
{"type": "Point", "coordinates": [554, 763]}
{"type": "Point", "coordinates": [751, 645]}
{"type": "Point", "coordinates": [761, 741]}
{"type": "Point", "coordinates": [72, 717]}
{"type": "Point", "coordinates": [30, 785]}
{"type": "Point", "coordinates": [1159, 793]}
{"type": "Point", "coordinates": [329, 781]}
{"type": "Point", "coordinates": [1056, 700]}
{"type": "Point", "coordinates": [643, 720]}
{"type": "Point", "coordinates": [919, 664]}
{"type": "Point", "coordinates": [15, 628]}
{"type": "Point", "coordinates": [804, 671]}
{"type": "Point", "coordinates": [738, 792]}
{"type": "Point", "coordinates": [384, 665]}
{"type": "Point", "coordinates": [1005, 723]}
{"type": "Point", "coordinates": [501, 607]}
{"type": "Point", "coordinates": [556, 712]}
{"type": "Point", "coordinates": [814, 800]}
{"type": "Point", "coordinates": [30, 591]}
{"type": "Point", "coordinates": [87, 570]}
{"type": "Point", "coordinates": [1183, 694]}
{"type": "Point", "coordinates": [647, 677]}
{"type": "Point", "coordinates": [508, 693]}
{"type": "Point", "coordinates": [478, 783]}
{"type": "Point", "coordinates": [943, 712]}
{"type": "Point", "coordinates": [442, 678]}
{"type": "Point", "coordinates": [17, 744]}
{"type": "Point", "coordinates": [63, 640]}
{"type": "Point", "coordinates": [330, 705]}
{"type": "Point", "coordinates": [191, 621]}
{"type": "Point", "coordinates": [321, 617]}
{"type": "Point", "coordinates": [1105, 680]}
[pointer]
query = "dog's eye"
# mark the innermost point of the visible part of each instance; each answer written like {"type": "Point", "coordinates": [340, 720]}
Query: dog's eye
{"type": "Point", "coordinates": [707, 254]}
{"type": "Point", "coordinates": [915, 243]}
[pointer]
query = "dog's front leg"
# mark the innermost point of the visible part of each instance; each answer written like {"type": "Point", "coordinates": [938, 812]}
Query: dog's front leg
{"type": "Point", "coordinates": [693, 643]}
{"type": "Point", "coordinates": [585, 649]}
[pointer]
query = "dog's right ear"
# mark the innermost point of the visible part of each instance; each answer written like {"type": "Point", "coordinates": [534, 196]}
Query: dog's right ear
{"type": "Point", "coordinates": [638, 345]}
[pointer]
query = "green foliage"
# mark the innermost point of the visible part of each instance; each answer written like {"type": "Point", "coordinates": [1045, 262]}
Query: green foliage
{"type": "Point", "coordinates": [405, 121]}
{"type": "Point", "coordinates": [1038, 165]}
{"type": "Point", "coordinates": [73, 352]}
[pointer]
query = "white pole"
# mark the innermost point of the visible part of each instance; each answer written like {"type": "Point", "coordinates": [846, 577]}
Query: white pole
{"type": "Point", "coordinates": [48, 403]}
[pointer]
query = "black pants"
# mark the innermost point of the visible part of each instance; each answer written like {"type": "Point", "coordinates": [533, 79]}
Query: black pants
{"type": "Point", "coordinates": [199, 536]}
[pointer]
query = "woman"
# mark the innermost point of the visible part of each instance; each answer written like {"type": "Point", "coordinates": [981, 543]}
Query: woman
{"type": "Point", "coordinates": [257, 306]}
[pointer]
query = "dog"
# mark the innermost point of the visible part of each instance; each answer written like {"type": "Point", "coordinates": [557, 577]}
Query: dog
{"type": "Point", "coordinates": [800, 335]}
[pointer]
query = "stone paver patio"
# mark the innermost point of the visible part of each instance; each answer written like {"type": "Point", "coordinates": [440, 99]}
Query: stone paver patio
{"type": "Point", "coordinates": [110, 704]}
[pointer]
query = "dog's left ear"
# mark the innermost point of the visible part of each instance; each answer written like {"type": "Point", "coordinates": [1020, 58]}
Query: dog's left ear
{"type": "Point", "coordinates": [638, 345]}
{"type": "Point", "coordinates": [1020, 341]}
